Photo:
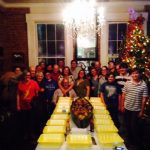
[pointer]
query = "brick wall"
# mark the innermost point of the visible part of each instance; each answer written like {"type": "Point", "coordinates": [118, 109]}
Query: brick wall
{"type": "Point", "coordinates": [13, 33]}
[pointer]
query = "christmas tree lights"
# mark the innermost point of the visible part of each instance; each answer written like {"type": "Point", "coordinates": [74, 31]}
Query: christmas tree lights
{"type": "Point", "coordinates": [135, 49]}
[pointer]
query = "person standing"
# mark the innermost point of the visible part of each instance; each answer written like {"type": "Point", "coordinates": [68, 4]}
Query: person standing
{"type": "Point", "coordinates": [123, 75]}
{"type": "Point", "coordinates": [38, 107]}
{"type": "Point", "coordinates": [82, 85]}
{"type": "Point", "coordinates": [112, 67]}
{"type": "Point", "coordinates": [74, 69]}
{"type": "Point", "coordinates": [121, 79]}
{"type": "Point", "coordinates": [111, 96]}
{"type": "Point", "coordinates": [32, 72]}
{"type": "Point", "coordinates": [97, 66]}
{"type": "Point", "coordinates": [61, 65]}
{"type": "Point", "coordinates": [55, 73]}
{"type": "Point", "coordinates": [50, 86]}
{"type": "Point", "coordinates": [27, 90]}
{"type": "Point", "coordinates": [134, 96]}
{"type": "Point", "coordinates": [102, 77]}
{"type": "Point", "coordinates": [94, 83]}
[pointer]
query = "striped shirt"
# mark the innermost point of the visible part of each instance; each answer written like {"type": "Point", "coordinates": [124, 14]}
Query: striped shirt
{"type": "Point", "coordinates": [133, 95]}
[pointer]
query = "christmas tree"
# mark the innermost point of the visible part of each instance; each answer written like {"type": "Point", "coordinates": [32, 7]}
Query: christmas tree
{"type": "Point", "coordinates": [135, 49]}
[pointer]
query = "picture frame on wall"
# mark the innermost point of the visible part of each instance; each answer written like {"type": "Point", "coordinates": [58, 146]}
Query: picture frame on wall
{"type": "Point", "coordinates": [18, 57]}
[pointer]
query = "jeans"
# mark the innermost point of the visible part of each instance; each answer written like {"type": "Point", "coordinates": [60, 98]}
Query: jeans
{"type": "Point", "coordinates": [132, 126]}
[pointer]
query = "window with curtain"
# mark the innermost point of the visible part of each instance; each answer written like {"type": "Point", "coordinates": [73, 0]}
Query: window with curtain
{"type": "Point", "coordinates": [51, 43]}
{"type": "Point", "coordinates": [117, 32]}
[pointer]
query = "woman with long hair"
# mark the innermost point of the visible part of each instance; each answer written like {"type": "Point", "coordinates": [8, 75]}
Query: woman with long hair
{"type": "Point", "coordinates": [82, 85]}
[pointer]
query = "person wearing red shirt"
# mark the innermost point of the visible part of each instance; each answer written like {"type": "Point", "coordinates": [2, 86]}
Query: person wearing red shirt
{"type": "Point", "coordinates": [27, 90]}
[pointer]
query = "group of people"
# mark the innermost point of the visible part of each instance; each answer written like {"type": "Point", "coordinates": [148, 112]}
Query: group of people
{"type": "Point", "coordinates": [120, 91]}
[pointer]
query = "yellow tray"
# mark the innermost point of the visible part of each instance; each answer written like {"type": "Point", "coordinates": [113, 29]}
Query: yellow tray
{"type": "Point", "coordinates": [99, 107]}
{"type": "Point", "coordinates": [54, 129]}
{"type": "Point", "coordinates": [110, 140]}
{"type": "Point", "coordinates": [79, 140]}
{"type": "Point", "coordinates": [103, 121]}
{"type": "Point", "coordinates": [102, 116]}
{"type": "Point", "coordinates": [63, 106]}
{"type": "Point", "coordinates": [105, 128]}
{"type": "Point", "coordinates": [95, 99]}
{"type": "Point", "coordinates": [52, 122]}
{"type": "Point", "coordinates": [99, 111]}
{"type": "Point", "coordinates": [67, 104]}
{"type": "Point", "coordinates": [64, 99]}
{"type": "Point", "coordinates": [51, 139]}
{"type": "Point", "coordinates": [61, 111]}
{"type": "Point", "coordinates": [97, 103]}
{"type": "Point", "coordinates": [60, 116]}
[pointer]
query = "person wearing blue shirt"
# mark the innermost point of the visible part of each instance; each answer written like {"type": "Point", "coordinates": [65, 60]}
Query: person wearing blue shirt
{"type": "Point", "coordinates": [111, 96]}
{"type": "Point", "coordinates": [50, 86]}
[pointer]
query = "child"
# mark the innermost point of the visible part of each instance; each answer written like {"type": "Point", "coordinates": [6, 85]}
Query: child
{"type": "Point", "coordinates": [110, 93]}
{"type": "Point", "coordinates": [135, 94]}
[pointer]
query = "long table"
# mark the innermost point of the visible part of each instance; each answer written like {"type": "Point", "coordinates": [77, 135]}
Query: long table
{"type": "Point", "coordinates": [95, 144]}
{"type": "Point", "coordinates": [76, 130]}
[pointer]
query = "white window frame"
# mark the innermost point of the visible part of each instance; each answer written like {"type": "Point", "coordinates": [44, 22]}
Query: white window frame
{"type": "Point", "coordinates": [51, 57]}
{"type": "Point", "coordinates": [114, 56]}
{"type": "Point", "coordinates": [32, 20]}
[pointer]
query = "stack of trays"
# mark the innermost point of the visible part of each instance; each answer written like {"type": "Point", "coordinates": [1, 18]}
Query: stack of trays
{"type": "Point", "coordinates": [103, 128]}
{"type": "Point", "coordinates": [62, 109]}
{"type": "Point", "coordinates": [54, 132]}
{"type": "Point", "coordinates": [63, 105]}
{"type": "Point", "coordinates": [99, 107]}
{"type": "Point", "coordinates": [56, 122]}
{"type": "Point", "coordinates": [106, 131]}
{"type": "Point", "coordinates": [110, 140]}
{"type": "Point", "coordinates": [79, 141]}
{"type": "Point", "coordinates": [60, 116]}
{"type": "Point", "coordinates": [52, 140]}
{"type": "Point", "coordinates": [54, 129]}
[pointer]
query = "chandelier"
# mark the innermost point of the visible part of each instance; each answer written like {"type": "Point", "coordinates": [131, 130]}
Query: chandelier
{"type": "Point", "coordinates": [82, 17]}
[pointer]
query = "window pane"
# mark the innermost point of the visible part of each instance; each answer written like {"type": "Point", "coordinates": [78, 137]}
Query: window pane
{"type": "Point", "coordinates": [112, 47]}
{"type": "Point", "coordinates": [41, 31]}
{"type": "Point", "coordinates": [41, 48]}
{"type": "Point", "coordinates": [60, 48]}
{"type": "Point", "coordinates": [59, 32]}
{"type": "Point", "coordinates": [51, 49]}
{"type": "Point", "coordinates": [113, 32]}
{"type": "Point", "coordinates": [119, 43]}
{"type": "Point", "coordinates": [51, 32]}
{"type": "Point", "coordinates": [122, 28]}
